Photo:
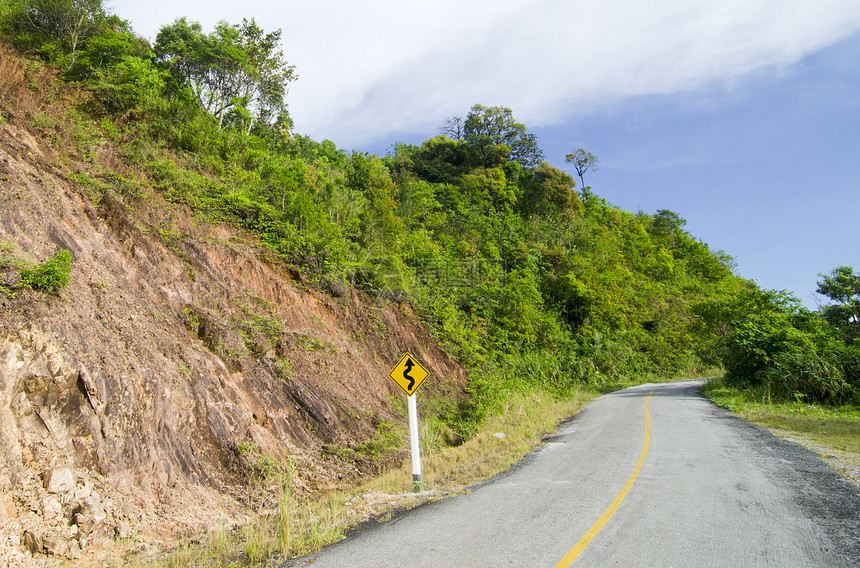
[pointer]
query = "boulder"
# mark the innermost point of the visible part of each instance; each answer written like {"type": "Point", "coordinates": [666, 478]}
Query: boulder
{"type": "Point", "coordinates": [60, 479]}
{"type": "Point", "coordinates": [55, 544]}
{"type": "Point", "coordinates": [33, 542]}
{"type": "Point", "coordinates": [90, 514]}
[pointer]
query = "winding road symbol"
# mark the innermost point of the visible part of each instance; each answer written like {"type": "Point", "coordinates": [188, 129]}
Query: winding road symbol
{"type": "Point", "coordinates": [408, 374]}
{"type": "Point", "coordinates": [408, 367]}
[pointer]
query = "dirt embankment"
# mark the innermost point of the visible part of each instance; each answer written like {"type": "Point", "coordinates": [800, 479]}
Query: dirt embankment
{"type": "Point", "coordinates": [126, 401]}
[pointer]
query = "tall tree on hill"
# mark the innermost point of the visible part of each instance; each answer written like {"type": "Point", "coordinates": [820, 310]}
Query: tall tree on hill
{"type": "Point", "coordinates": [237, 73]}
{"type": "Point", "coordinates": [495, 136]}
{"type": "Point", "coordinates": [668, 227]}
{"type": "Point", "coordinates": [262, 82]}
{"type": "Point", "coordinates": [582, 161]}
{"type": "Point", "coordinates": [842, 286]}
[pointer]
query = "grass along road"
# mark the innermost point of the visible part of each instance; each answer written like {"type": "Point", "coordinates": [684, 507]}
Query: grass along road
{"type": "Point", "coordinates": [304, 525]}
{"type": "Point", "coordinates": [831, 432]}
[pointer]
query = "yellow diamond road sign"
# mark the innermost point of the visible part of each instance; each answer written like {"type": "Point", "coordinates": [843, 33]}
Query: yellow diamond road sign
{"type": "Point", "coordinates": [408, 374]}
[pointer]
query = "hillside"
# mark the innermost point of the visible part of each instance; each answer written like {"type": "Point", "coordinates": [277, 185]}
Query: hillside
{"type": "Point", "coordinates": [134, 395]}
{"type": "Point", "coordinates": [190, 295]}
{"type": "Point", "coordinates": [199, 305]}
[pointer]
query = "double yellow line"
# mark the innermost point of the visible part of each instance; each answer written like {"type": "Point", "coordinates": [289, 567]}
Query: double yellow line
{"type": "Point", "coordinates": [574, 552]}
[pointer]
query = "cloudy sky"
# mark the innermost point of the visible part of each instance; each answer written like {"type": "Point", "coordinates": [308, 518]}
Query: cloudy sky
{"type": "Point", "coordinates": [743, 116]}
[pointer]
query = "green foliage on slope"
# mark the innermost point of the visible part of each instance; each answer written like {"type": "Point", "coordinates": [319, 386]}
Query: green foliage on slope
{"type": "Point", "coordinates": [512, 268]}
{"type": "Point", "coordinates": [51, 276]}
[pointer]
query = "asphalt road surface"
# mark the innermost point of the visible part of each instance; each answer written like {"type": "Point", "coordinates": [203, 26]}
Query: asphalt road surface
{"type": "Point", "coordinates": [654, 475]}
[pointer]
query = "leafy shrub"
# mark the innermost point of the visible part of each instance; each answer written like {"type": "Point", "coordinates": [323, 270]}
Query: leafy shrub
{"type": "Point", "coordinates": [51, 276]}
{"type": "Point", "coordinates": [775, 344]}
{"type": "Point", "coordinates": [133, 83]}
{"type": "Point", "coordinates": [817, 376]}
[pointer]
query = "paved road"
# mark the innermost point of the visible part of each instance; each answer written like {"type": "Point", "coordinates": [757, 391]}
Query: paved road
{"type": "Point", "coordinates": [707, 489]}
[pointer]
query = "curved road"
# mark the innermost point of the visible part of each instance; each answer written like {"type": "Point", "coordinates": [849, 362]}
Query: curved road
{"type": "Point", "coordinates": [654, 475]}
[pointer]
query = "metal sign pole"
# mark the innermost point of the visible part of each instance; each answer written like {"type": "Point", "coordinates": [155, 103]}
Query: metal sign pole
{"type": "Point", "coordinates": [413, 442]}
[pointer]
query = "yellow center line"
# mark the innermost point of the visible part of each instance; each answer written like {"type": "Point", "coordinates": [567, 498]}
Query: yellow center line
{"type": "Point", "coordinates": [574, 552]}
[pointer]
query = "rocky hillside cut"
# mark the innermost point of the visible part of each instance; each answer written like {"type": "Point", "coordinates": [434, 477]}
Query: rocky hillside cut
{"type": "Point", "coordinates": [128, 399]}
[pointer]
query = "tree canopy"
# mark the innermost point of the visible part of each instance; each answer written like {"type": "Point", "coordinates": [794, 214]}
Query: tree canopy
{"type": "Point", "coordinates": [237, 73]}
{"type": "Point", "coordinates": [842, 287]}
{"type": "Point", "coordinates": [495, 136]}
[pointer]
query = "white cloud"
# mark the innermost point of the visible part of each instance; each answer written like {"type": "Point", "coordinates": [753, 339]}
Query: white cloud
{"type": "Point", "coordinates": [369, 69]}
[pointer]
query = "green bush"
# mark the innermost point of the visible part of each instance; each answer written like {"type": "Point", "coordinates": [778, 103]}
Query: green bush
{"type": "Point", "coordinates": [815, 375]}
{"type": "Point", "coordinates": [132, 84]}
{"type": "Point", "coordinates": [51, 276]}
{"type": "Point", "coordinates": [774, 343]}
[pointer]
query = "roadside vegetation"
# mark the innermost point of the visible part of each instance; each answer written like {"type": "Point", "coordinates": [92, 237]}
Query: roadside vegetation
{"type": "Point", "coordinates": [834, 426]}
{"type": "Point", "coordinates": [832, 431]}
{"type": "Point", "coordinates": [773, 347]}
{"type": "Point", "coordinates": [790, 369]}
{"type": "Point", "coordinates": [542, 289]}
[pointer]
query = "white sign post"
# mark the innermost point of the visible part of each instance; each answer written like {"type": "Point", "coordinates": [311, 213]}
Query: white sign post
{"type": "Point", "coordinates": [408, 374]}
{"type": "Point", "coordinates": [413, 444]}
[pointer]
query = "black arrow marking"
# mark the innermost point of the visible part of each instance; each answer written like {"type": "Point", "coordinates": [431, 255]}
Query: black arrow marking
{"type": "Point", "coordinates": [409, 364]}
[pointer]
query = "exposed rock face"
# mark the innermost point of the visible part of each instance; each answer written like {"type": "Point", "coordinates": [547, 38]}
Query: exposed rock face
{"type": "Point", "coordinates": [123, 400]}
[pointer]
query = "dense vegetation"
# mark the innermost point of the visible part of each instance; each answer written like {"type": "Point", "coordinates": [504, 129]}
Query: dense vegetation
{"type": "Point", "coordinates": [767, 341]}
{"type": "Point", "coordinates": [522, 276]}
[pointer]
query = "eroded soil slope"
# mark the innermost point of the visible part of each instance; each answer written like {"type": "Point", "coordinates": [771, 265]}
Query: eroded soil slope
{"type": "Point", "coordinates": [125, 400]}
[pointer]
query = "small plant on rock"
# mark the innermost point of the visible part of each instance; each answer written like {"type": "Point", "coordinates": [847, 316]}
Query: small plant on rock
{"type": "Point", "coordinates": [51, 276]}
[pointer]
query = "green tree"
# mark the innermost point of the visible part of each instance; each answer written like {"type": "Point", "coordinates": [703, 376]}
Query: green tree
{"type": "Point", "coordinates": [842, 286]}
{"type": "Point", "coordinates": [236, 73]}
{"type": "Point", "coordinates": [417, 200]}
{"type": "Point", "coordinates": [261, 82]}
{"type": "Point", "coordinates": [440, 160]}
{"type": "Point", "coordinates": [380, 226]}
{"type": "Point", "coordinates": [550, 190]}
{"type": "Point", "coordinates": [668, 227]}
{"type": "Point", "coordinates": [489, 190]}
{"type": "Point", "coordinates": [183, 49]}
{"type": "Point", "coordinates": [582, 161]}
{"type": "Point", "coordinates": [758, 327]}
{"type": "Point", "coordinates": [496, 137]}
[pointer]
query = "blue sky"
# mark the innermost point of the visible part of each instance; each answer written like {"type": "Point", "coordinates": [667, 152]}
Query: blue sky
{"type": "Point", "coordinates": [742, 116]}
{"type": "Point", "coordinates": [768, 171]}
